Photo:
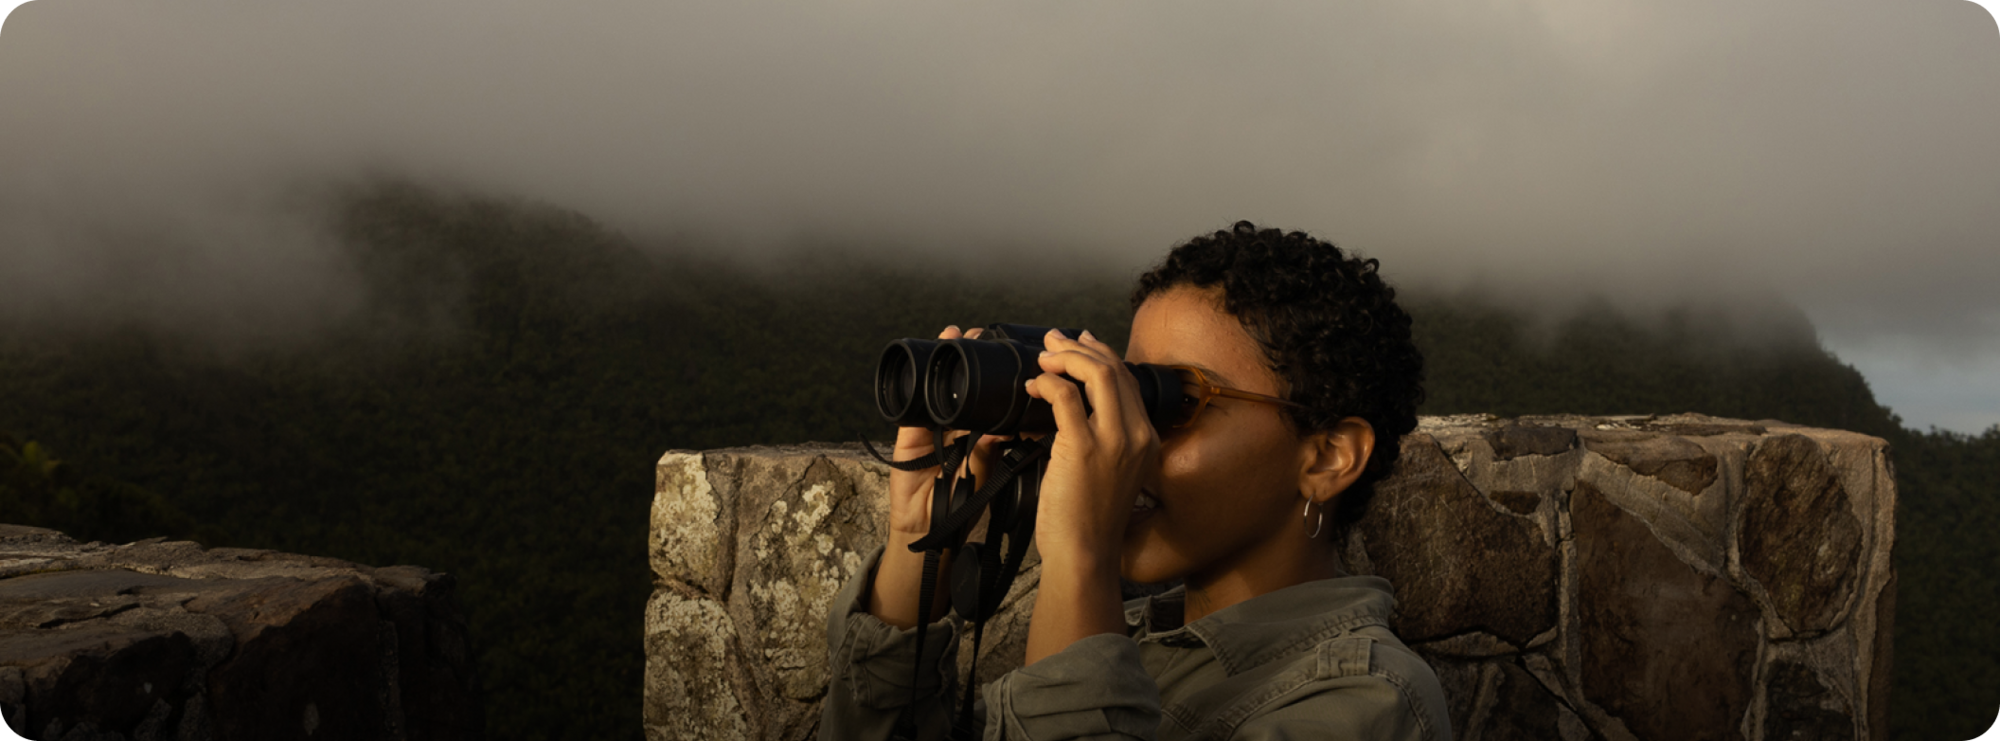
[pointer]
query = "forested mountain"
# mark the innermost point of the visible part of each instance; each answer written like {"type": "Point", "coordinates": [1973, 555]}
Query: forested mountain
{"type": "Point", "coordinates": [496, 408]}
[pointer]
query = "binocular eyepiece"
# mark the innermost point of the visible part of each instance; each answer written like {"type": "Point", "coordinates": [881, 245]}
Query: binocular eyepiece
{"type": "Point", "coordinates": [978, 385]}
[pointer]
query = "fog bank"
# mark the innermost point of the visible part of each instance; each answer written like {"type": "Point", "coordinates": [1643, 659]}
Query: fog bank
{"type": "Point", "coordinates": [166, 160]}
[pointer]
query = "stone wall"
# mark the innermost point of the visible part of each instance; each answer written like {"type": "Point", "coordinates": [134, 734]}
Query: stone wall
{"type": "Point", "coordinates": [1626, 579]}
{"type": "Point", "coordinates": [166, 640]}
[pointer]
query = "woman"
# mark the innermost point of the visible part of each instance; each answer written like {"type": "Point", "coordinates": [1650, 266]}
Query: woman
{"type": "Point", "coordinates": [1301, 380]}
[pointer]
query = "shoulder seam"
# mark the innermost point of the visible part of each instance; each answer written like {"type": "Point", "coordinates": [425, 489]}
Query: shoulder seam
{"type": "Point", "coordinates": [1410, 700]}
{"type": "Point", "coordinates": [1332, 631]}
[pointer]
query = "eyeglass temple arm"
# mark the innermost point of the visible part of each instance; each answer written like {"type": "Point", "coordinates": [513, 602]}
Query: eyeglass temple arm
{"type": "Point", "coordinates": [1253, 396]}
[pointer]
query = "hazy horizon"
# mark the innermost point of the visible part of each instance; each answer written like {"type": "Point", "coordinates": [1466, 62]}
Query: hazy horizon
{"type": "Point", "coordinates": [168, 161]}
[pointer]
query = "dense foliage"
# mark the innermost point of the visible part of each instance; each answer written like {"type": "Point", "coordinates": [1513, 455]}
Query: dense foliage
{"type": "Point", "coordinates": [38, 489]}
{"type": "Point", "coordinates": [1947, 670]}
{"type": "Point", "coordinates": [495, 409]}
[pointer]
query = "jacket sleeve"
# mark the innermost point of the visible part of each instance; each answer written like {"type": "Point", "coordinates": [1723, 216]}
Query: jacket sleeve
{"type": "Point", "coordinates": [869, 668]}
{"type": "Point", "coordinates": [1094, 689]}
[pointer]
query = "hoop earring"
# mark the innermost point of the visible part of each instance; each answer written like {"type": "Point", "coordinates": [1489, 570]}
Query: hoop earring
{"type": "Point", "coordinates": [1316, 527]}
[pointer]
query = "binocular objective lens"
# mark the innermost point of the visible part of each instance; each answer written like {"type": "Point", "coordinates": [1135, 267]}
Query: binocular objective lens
{"type": "Point", "coordinates": [898, 383]}
{"type": "Point", "coordinates": [948, 397]}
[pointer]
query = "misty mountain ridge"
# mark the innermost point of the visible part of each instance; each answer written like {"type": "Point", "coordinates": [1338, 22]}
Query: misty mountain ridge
{"type": "Point", "coordinates": [399, 259]}
{"type": "Point", "coordinates": [417, 265]}
{"type": "Point", "coordinates": [492, 399]}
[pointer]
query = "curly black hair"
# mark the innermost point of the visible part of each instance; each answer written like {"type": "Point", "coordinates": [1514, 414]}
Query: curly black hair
{"type": "Point", "coordinates": [1329, 326]}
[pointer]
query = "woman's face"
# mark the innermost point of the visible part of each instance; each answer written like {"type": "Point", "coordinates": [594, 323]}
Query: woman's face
{"type": "Point", "coordinates": [1228, 483]}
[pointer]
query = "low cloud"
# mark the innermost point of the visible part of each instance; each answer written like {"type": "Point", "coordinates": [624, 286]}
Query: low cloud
{"type": "Point", "coordinates": [1839, 155]}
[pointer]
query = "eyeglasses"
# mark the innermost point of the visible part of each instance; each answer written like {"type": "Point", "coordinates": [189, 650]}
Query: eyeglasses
{"type": "Point", "coordinates": [1197, 391]}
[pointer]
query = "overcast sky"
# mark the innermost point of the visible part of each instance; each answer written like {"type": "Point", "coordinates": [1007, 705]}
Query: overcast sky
{"type": "Point", "coordinates": [159, 158]}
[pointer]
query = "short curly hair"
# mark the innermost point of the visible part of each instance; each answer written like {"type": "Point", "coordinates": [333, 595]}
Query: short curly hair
{"type": "Point", "coordinates": [1329, 326]}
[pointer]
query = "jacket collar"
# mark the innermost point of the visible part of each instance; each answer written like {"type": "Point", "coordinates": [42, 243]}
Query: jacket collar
{"type": "Point", "coordinates": [1269, 626]}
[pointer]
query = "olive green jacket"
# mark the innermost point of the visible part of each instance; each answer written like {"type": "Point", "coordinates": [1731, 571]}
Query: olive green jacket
{"type": "Point", "coordinates": [1310, 661]}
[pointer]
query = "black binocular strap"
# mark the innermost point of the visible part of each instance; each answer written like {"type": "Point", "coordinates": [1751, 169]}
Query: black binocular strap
{"type": "Point", "coordinates": [961, 518]}
{"type": "Point", "coordinates": [948, 521]}
{"type": "Point", "coordinates": [906, 722]}
{"type": "Point", "coordinates": [940, 454]}
{"type": "Point", "coordinates": [989, 573]}
{"type": "Point", "coordinates": [997, 574]}
{"type": "Point", "coordinates": [948, 458]}
{"type": "Point", "coordinates": [949, 526]}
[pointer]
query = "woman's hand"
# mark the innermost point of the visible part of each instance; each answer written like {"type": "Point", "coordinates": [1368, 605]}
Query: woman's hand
{"type": "Point", "coordinates": [1093, 477]}
{"type": "Point", "coordinates": [1099, 456]}
{"type": "Point", "coordinates": [894, 597]}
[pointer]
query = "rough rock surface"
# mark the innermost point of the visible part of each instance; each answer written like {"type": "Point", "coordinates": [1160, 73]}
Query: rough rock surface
{"type": "Point", "coordinates": [166, 640]}
{"type": "Point", "coordinates": [1495, 575]}
{"type": "Point", "coordinates": [1648, 621]}
{"type": "Point", "coordinates": [1573, 578]}
{"type": "Point", "coordinates": [1801, 540]}
{"type": "Point", "coordinates": [749, 546]}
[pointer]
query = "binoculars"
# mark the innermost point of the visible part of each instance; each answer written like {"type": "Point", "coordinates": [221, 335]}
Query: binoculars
{"type": "Point", "coordinates": [978, 385]}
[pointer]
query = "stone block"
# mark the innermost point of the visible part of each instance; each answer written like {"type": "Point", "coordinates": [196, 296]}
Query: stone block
{"type": "Point", "coordinates": [1800, 706]}
{"type": "Point", "coordinates": [690, 520]}
{"type": "Point", "coordinates": [1799, 539]}
{"type": "Point", "coordinates": [693, 676]}
{"type": "Point", "coordinates": [799, 539]}
{"type": "Point", "coordinates": [1461, 564]}
{"type": "Point", "coordinates": [1649, 623]}
{"type": "Point", "coordinates": [161, 640]}
{"type": "Point", "coordinates": [1675, 461]}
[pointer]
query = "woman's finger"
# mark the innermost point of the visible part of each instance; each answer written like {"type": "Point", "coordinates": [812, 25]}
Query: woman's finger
{"type": "Point", "coordinates": [1090, 340]}
{"type": "Point", "coordinates": [1085, 343]}
{"type": "Point", "coordinates": [1130, 403]}
{"type": "Point", "coordinates": [1102, 385]}
{"type": "Point", "coordinates": [1088, 344]}
{"type": "Point", "coordinates": [1063, 397]}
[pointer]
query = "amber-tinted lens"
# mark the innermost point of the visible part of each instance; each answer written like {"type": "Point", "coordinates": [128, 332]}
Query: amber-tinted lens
{"type": "Point", "coordinates": [1191, 398]}
{"type": "Point", "coordinates": [1191, 404]}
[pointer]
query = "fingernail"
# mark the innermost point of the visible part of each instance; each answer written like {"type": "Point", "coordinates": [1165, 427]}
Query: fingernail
{"type": "Point", "coordinates": [1088, 336]}
{"type": "Point", "coordinates": [1045, 354]}
{"type": "Point", "coordinates": [952, 328]}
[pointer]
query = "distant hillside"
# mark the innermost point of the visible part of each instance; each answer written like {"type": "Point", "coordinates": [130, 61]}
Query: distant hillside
{"type": "Point", "coordinates": [496, 410]}
{"type": "Point", "coordinates": [40, 489]}
{"type": "Point", "coordinates": [1484, 357]}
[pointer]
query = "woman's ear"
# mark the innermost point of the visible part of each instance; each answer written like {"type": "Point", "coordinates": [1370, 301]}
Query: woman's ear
{"type": "Point", "coordinates": [1335, 458]}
